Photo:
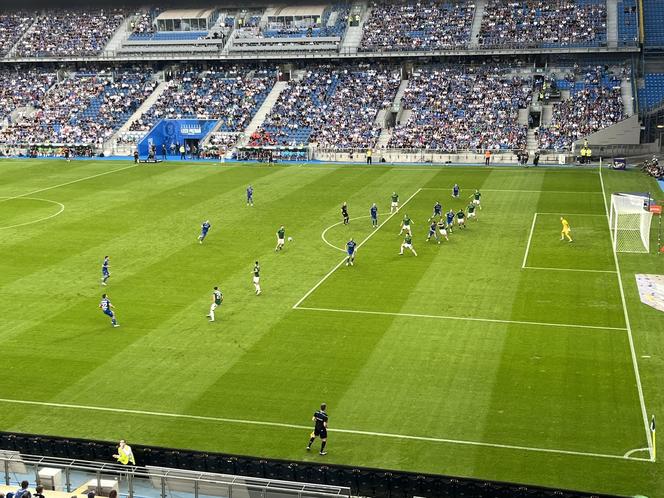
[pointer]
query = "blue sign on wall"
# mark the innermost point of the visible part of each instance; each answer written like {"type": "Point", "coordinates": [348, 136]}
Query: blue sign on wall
{"type": "Point", "coordinates": [175, 131]}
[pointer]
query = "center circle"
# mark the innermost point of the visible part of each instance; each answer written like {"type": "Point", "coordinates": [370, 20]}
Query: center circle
{"type": "Point", "coordinates": [18, 212]}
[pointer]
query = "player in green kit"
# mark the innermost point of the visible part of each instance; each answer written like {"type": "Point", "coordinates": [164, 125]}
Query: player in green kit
{"type": "Point", "coordinates": [405, 225]}
{"type": "Point", "coordinates": [461, 219]}
{"type": "Point", "coordinates": [407, 244]}
{"type": "Point", "coordinates": [281, 233]}
{"type": "Point", "coordinates": [217, 299]}
{"type": "Point", "coordinates": [476, 197]}
{"type": "Point", "coordinates": [394, 206]}
{"type": "Point", "coordinates": [471, 211]}
{"type": "Point", "coordinates": [257, 277]}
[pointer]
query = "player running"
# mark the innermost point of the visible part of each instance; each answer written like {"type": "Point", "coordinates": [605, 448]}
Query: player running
{"type": "Point", "coordinates": [344, 213]}
{"type": "Point", "coordinates": [471, 211]}
{"type": "Point", "coordinates": [437, 210]}
{"type": "Point", "coordinates": [105, 273]}
{"type": "Point", "coordinates": [205, 228]}
{"type": "Point", "coordinates": [405, 225]}
{"type": "Point", "coordinates": [250, 196]}
{"type": "Point", "coordinates": [442, 229]}
{"type": "Point", "coordinates": [476, 196]}
{"type": "Point", "coordinates": [407, 244]}
{"type": "Point", "coordinates": [217, 299]}
{"type": "Point", "coordinates": [566, 230]}
{"type": "Point", "coordinates": [281, 233]}
{"type": "Point", "coordinates": [450, 220]}
{"type": "Point", "coordinates": [320, 429]}
{"type": "Point", "coordinates": [461, 218]}
{"type": "Point", "coordinates": [455, 191]}
{"type": "Point", "coordinates": [257, 278]}
{"type": "Point", "coordinates": [394, 206]}
{"type": "Point", "coordinates": [350, 250]}
{"type": "Point", "coordinates": [374, 215]}
{"type": "Point", "coordinates": [433, 232]}
{"type": "Point", "coordinates": [107, 309]}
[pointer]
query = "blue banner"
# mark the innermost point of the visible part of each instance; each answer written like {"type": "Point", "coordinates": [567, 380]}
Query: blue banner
{"type": "Point", "coordinates": [175, 131]}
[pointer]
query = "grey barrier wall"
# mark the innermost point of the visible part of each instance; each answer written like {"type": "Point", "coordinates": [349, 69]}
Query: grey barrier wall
{"type": "Point", "coordinates": [380, 483]}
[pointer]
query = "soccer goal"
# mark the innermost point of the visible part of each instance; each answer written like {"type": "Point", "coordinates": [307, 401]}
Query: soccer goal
{"type": "Point", "coordinates": [630, 222]}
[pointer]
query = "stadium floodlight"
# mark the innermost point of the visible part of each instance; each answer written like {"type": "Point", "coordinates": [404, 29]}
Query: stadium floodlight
{"type": "Point", "coordinates": [630, 222]}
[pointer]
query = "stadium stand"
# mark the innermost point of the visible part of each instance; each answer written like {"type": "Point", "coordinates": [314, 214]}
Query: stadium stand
{"type": "Point", "coordinates": [454, 108]}
{"type": "Point", "coordinates": [653, 19]}
{"type": "Point", "coordinates": [628, 22]}
{"type": "Point", "coordinates": [594, 103]}
{"type": "Point", "coordinates": [544, 23]}
{"type": "Point", "coordinates": [87, 108]}
{"type": "Point", "coordinates": [23, 88]}
{"type": "Point", "coordinates": [331, 107]}
{"type": "Point", "coordinates": [12, 26]}
{"type": "Point", "coordinates": [70, 33]}
{"type": "Point", "coordinates": [652, 94]}
{"type": "Point", "coordinates": [425, 25]}
{"type": "Point", "coordinates": [233, 94]}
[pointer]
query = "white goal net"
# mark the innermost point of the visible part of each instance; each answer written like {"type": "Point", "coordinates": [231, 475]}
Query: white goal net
{"type": "Point", "coordinates": [630, 223]}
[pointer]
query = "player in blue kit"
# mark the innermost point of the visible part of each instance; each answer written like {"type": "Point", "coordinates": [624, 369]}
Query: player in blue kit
{"type": "Point", "coordinates": [107, 309]}
{"type": "Point", "coordinates": [205, 227]}
{"type": "Point", "coordinates": [455, 190]}
{"type": "Point", "coordinates": [374, 215]}
{"type": "Point", "coordinates": [350, 249]}
{"type": "Point", "coordinates": [450, 220]}
{"type": "Point", "coordinates": [437, 210]}
{"type": "Point", "coordinates": [433, 232]}
{"type": "Point", "coordinates": [105, 273]}
{"type": "Point", "coordinates": [250, 196]}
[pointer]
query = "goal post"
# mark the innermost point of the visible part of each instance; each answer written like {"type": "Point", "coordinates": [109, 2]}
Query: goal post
{"type": "Point", "coordinates": [629, 221]}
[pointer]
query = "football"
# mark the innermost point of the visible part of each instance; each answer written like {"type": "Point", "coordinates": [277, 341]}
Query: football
{"type": "Point", "coordinates": [290, 239]}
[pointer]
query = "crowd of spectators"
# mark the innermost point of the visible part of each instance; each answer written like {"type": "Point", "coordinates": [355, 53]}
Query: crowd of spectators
{"type": "Point", "coordinates": [233, 95]}
{"type": "Point", "coordinates": [594, 103]}
{"type": "Point", "coordinates": [349, 119]}
{"type": "Point", "coordinates": [454, 108]}
{"type": "Point", "coordinates": [12, 26]}
{"type": "Point", "coordinates": [143, 24]}
{"type": "Point", "coordinates": [653, 168]}
{"type": "Point", "coordinates": [332, 107]}
{"type": "Point", "coordinates": [70, 33]}
{"type": "Point", "coordinates": [23, 88]}
{"type": "Point", "coordinates": [84, 109]}
{"type": "Point", "coordinates": [424, 25]}
{"type": "Point", "coordinates": [543, 22]}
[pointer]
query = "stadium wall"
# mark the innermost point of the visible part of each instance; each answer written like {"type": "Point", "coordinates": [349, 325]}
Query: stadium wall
{"type": "Point", "coordinates": [379, 483]}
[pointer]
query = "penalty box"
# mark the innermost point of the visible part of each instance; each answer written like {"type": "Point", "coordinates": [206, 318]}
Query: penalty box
{"type": "Point", "coordinates": [485, 261]}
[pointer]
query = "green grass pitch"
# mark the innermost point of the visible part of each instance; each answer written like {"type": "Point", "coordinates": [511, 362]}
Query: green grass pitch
{"type": "Point", "coordinates": [501, 354]}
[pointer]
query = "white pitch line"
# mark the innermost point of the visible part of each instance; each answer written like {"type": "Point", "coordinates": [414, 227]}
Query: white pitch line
{"type": "Point", "coordinates": [572, 214]}
{"type": "Point", "coordinates": [322, 235]}
{"type": "Point", "coordinates": [461, 318]}
{"type": "Point", "coordinates": [519, 191]}
{"type": "Point", "coordinates": [567, 269]}
{"type": "Point", "coordinates": [635, 362]}
{"type": "Point", "coordinates": [65, 184]}
{"type": "Point", "coordinates": [464, 442]}
{"type": "Point", "coordinates": [62, 208]}
{"type": "Point", "coordinates": [310, 291]}
{"type": "Point", "coordinates": [530, 238]}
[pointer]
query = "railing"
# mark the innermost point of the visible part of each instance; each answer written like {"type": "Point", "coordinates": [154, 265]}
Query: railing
{"type": "Point", "coordinates": [63, 474]}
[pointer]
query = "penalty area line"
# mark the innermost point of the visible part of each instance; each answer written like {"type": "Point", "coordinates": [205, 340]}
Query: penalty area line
{"type": "Point", "coordinates": [462, 442]}
{"type": "Point", "coordinates": [462, 318]}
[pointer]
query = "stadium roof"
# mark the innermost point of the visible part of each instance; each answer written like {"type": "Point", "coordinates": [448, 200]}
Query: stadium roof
{"type": "Point", "coordinates": [185, 14]}
{"type": "Point", "coordinates": [302, 10]}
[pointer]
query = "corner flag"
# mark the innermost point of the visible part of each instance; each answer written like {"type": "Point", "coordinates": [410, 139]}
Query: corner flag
{"type": "Point", "coordinates": [654, 441]}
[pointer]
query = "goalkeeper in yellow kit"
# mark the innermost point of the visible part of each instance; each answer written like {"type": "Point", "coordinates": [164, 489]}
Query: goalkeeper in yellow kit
{"type": "Point", "coordinates": [566, 230]}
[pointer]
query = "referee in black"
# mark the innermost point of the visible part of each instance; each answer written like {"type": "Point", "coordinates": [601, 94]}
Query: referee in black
{"type": "Point", "coordinates": [320, 429]}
